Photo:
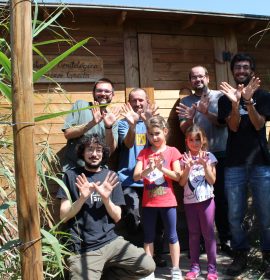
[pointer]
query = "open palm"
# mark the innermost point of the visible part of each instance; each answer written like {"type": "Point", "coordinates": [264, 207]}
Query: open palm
{"type": "Point", "coordinates": [105, 189]}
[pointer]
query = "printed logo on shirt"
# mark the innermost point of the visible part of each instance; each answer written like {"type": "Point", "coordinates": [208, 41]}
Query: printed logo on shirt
{"type": "Point", "coordinates": [199, 187]}
{"type": "Point", "coordinates": [141, 139]}
{"type": "Point", "coordinates": [95, 197]}
{"type": "Point", "coordinates": [154, 190]}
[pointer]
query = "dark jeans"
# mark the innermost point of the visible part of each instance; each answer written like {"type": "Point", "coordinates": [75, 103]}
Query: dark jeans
{"type": "Point", "coordinates": [237, 181]}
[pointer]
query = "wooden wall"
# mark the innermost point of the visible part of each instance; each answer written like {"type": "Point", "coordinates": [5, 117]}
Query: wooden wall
{"type": "Point", "coordinates": [152, 53]}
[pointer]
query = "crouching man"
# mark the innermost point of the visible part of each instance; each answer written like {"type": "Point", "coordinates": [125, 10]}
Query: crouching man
{"type": "Point", "coordinates": [90, 214]}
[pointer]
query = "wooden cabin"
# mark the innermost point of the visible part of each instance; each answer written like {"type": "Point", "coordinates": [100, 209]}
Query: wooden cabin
{"type": "Point", "coordinates": [143, 47]}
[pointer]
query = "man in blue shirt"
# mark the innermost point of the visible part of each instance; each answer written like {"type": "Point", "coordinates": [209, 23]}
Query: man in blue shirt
{"type": "Point", "coordinates": [132, 139]}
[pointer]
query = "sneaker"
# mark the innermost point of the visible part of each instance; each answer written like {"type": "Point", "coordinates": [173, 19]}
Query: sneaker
{"type": "Point", "coordinates": [239, 263]}
{"type": "Point", "coordinates": [212, 276]}
{"type": "Point", "coordinates": [193, 273]}
{"type": "Point", "coordinates": [176, 273]}
{"type": "Point", "coordinates": [212, 272]}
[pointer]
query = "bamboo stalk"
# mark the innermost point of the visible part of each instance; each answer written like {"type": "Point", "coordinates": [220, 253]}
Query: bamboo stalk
{"type": "Point", "coordinates": [23, 133]}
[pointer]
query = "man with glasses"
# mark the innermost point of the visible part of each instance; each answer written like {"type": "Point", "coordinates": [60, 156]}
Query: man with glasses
{"type": "Point", "coordinates": [89, 214]}
{"type": "Point", "coordinates": [86, 122]}
{"type": "Point", "coordinates": [245, 110]}
{"type": "Point", "coordinates": [201, 108]}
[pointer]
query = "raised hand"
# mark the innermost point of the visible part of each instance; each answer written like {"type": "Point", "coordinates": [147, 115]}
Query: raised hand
{"type": "Point", "coordinates": [150, 111]}
{"type": "Point", "coordinates": [203, 104]}
{"type": "Point", "coordinates": [111, 116]}
{"type": "Point", "coordinates": [252, 86]}
{"type": "Point", "coordinates": [186, 112]}
{"type": "Point", "coordinates": [203, 158]}
{"type": "Point", "coordinates": [187, 159]}
{"type": "Point", "coordinates": [131, 116]}
{"type": "Point", "coordinates": [233, 94]}
{"type": "Point", "coordinates": [84, 186]}
{"type": "Point", "coordinates": [97, 116]}
{"type": "Point", "coordinates": [159, 160]}
{"type": "Point", "coordinates": [105, 189]}
{"type": "Point", "coordinates": [152, 164]}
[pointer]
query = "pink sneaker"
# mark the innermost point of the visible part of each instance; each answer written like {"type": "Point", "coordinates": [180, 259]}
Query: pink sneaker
{"type": "Point", "coordinates": [212, 276]}
{"type": "Point", "coordinates": [192, 275]}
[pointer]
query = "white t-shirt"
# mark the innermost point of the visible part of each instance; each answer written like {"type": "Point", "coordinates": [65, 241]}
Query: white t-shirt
{"type": "Point", "coordinates": [197, 189]}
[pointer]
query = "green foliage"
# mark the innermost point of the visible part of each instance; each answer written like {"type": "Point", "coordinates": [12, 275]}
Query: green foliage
{"type": "Point", "coordinates": [53, 251]}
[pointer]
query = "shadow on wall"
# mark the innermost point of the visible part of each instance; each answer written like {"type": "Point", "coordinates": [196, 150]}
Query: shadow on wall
{"type": "Point", "coordinates": [175, 136]}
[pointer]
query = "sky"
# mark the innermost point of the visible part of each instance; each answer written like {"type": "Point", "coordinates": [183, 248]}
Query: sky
{"type": "Point", "coordinates": [258, 7]}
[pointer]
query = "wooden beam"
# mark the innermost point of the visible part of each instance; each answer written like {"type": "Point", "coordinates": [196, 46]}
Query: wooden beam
{"type": "Point", "coordinates": [146, 65]}
{"type": "Point", "coordinates": [24, 147]}
{"type": "Point", "coordinates": [231, 46]}
{"type": "Point", "coordinates": [220, 66]}
{"type": "Point", "coordinates": [185, 24]}
{"type": "Point", "coordinates": [131, 59]}
{"type": "Point", "coordinates": [122, 17]}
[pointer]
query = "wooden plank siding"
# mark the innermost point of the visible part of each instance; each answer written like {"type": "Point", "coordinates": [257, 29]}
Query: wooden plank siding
{"type": "Point", "coordinates": [153, 53]}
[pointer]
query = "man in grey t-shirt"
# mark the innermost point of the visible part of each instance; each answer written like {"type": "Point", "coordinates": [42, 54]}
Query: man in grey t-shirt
{"type": "Point", "coordinates": [97, 120]}
{"type": "Point", "coordinates": [201, 108]}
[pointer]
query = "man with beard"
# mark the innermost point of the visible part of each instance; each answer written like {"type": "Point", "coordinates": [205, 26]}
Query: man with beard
{"type": "Point", "coordinates": [201, 108]}
{"type": "Point", "coordinates": [90, 207]}
{"type": "Point", "coordinates": [86, 122]}
{"type": "Point", "coordinates": [245, 112]}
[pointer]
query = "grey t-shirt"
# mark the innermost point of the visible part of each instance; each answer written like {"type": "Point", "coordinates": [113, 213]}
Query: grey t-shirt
{"type": "Point", "coordinates": [79, 118]}
{"type": "Point", "coordinates": [216, 135]}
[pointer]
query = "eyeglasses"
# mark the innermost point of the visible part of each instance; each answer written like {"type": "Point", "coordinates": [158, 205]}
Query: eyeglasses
{"type": "Point", "coordinates": [239, 67]}
{"type": "Point", "coordinates": [91, 150]}
{"type": "Point", "coordinates": [194, 78]}
{"type": "Point", "coordinates": [106, 91]}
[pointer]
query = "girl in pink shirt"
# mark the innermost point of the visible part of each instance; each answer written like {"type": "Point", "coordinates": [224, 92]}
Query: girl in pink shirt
{"type": "Point", "coordinates": [158, 165]}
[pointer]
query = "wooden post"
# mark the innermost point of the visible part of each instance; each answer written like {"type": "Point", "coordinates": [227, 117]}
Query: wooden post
{"type": "Point", "coordinates": [131, 58]}
{"type": "Point", "coordinates": [23, 133]}
{"type": "Point", "coordinates": [220, 65]}
{"type": "Point", "coordinates": [146, 65]}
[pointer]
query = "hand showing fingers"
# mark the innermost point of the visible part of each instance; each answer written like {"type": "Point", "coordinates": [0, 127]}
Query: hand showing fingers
{"type": "Point", "coordinates": [84, 186]}
{"type": "Point", "coordinates": [110, 117]}
{"type": "Point", "coordinates": [131, 116]}
{"type": "Point", "coordinates": [233, 94]}
{"type": "Point", "coordinates": [187, 159]}
{"type": "Point", "coordinates": [97, 116]}
{"type": "Point", "coordinates": [105, 189]}
{"type": "Point", "coordinates": [203, 105]}
{"type": "Point", "coordinates": [149, 111]}
{"type": "Point", "coordinates": [252, 86]}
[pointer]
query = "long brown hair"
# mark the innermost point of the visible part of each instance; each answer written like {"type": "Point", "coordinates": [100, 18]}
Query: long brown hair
{"type": "Point", "coordinates": [198, 131]}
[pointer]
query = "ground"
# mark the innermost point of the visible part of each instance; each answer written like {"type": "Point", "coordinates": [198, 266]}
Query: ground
{"type": "Point", "coordinates": [223, 261]}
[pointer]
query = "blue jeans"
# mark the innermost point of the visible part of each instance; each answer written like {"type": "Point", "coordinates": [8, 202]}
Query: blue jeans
{"type": "Point", "coordinates": [237, 180]}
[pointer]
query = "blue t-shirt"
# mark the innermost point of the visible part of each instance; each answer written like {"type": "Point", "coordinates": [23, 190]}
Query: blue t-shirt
{"type": "Point", "coordinates": [127, 156]}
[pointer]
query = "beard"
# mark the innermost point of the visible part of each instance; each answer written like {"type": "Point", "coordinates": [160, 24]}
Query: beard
{"type": "Point", "coordinates": [92, 165]}
{"type": "Point", "coordinates": [245, 82]}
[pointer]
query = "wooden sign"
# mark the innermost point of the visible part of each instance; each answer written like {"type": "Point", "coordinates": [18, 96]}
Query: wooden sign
{"type": "Point", "coordinates": [74, 69]}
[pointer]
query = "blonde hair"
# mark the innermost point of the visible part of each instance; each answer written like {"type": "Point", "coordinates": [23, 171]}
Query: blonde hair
{"type": "Point", "coordinates": [198, 131]}
{"type": "Point", "coordinates": [156, 121]}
